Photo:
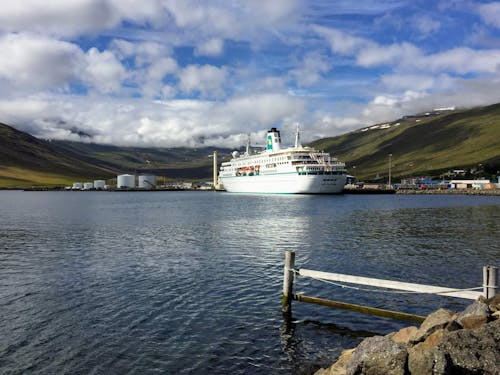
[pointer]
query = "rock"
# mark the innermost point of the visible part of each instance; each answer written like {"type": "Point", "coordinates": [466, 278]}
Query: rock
{"type": "Point", "coordinates": [424, 360]}
{"type": "Point", "coordinates": [403, 335]}
{"type": "Point", "coordinates": [474, 315]}
{"type": "Point", "coordinates": [378, 355]}
{"type": "Point", "coordinates": [473, 351]}
{"type": "Point", "coordinates": [445, 344]}
{"type": "Point", "coordinates": [437, 320]}
{"type": "Point", "coordinates": [494, 303]}
{"type": "Point", "coordinates": [434, 339]}
{"type": "Point", "coordinates": [471, 322]}
{"type": "Point", "coordinates": [339, 367]}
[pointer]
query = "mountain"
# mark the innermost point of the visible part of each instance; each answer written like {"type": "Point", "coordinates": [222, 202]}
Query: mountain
{"type": "Point", "coordinates": [428, 144]}
{"type": "Point", "coordinates": [28, 161]}
{"type": "Point", "coordinates": [177, 163]}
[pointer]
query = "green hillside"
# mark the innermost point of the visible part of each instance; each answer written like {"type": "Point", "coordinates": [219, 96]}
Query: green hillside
{"type": "Point", "coordinates": [423, 145]}
{"type": "Point", "coordinates": [28, 161]}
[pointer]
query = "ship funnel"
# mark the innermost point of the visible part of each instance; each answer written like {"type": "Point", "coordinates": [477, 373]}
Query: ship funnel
{"type": "Point", "coordinates": [273, 140]}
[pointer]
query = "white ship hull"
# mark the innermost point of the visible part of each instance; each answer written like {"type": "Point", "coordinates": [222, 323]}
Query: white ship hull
{"type": "Point", "coordinates": [286, 183]}
{"type": "Point", "coordinates": [277, 170]}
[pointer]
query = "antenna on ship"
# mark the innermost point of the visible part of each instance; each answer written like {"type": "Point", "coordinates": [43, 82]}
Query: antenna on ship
{"type": "Point", "coordinates": [247, 152]}
{"type": "Point", "coordinates": [297, 137]}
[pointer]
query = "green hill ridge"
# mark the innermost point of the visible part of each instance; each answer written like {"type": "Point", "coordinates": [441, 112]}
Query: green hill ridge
{"type": "Point", "coordinates": [423, 145]}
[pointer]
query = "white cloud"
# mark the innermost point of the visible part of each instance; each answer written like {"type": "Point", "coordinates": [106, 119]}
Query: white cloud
{"type": "Point", "coordinates": [151, 12]}
{"type": "Point", "coordinates": [99, 64]}
{"type": "Point", "coordinates": [143, 53]}
{"type": "Point", "coordinates": [30, 62]}
{"type": "Point", "coordinates": [63, 18]}
{"type": "Point", "coordinates": [263, 109]}
{"type": "Point", "coordinates": [418, 82]}
{"type": "Point", "coordinates": [161, 67]}
{"type": "Point", "coordinates": [310, 69]}
{"type": "Point", "coordinates": [104, 72]}
{"type": "Point", "coordinates": [490, 13]}
{"type": "Point", "coordinates": [142, 122]}
{"type": "Point", "coordinates": [212, 47]}
{"type": "Point", "coordinates": [462, 61]}
{"type": "Point", "coordinates": [151, 80]}
{"type": "Point", "coordinates": [270, 84]}
{"type": "Point", "coordinates": [255, 21]}
{"type": "Point", "coordinates": [206, 80]}
{"type": "Point", "coordinates": [407, 56]}
{"type": "Point", "coordinates": [426, 25]}
{"type": "Point", "coordinates": [76, 17]}
{"type": "Point", "coordinates": [394, 54]}
{"type": "Point", "coordinates": [342, 42]}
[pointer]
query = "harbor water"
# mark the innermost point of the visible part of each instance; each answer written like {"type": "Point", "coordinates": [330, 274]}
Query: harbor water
{"type": "Point", "coordinates": [190, 282]}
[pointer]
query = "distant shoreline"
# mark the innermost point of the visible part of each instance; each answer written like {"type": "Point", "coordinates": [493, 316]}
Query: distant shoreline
{"type": "Point", "coordinates": [475, 192]}
{"type": "Point", "coordinates": [481, 192]}
{"type": "Point", "coordinates": [451, 192]}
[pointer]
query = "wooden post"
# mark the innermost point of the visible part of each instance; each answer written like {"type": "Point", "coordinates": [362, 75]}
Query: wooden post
{"type": "Point", "coordinates": [286, 302]}
{"type": "Point", "coordinates": [490, 281]}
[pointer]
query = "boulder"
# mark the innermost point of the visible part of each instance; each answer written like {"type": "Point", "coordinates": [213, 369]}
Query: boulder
{"type": "Point", "coordinates": [445, 344]}
{"type": "Point", "coordinates": [474, 315]}
{"type": "Point", "coordinates": [403, 335]}
{"type": "Point", "coordinates": [425, 358]}
{"type": "Point", "coordinates": [435, 321]}
{"type": "Point", "coordinates": [339, 367]}
{"type": "Point", "coordinates": [378, 355]}
{"type": "Point", "coordinates": [494, 303]}
{"type": "Point", "coordinates": [473, 351]}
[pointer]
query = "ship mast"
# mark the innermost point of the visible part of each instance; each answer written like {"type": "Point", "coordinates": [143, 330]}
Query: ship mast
{"type": "Point", "coordinates": [247, 151]}
{"type": "Point", "coordinates": [297, 138]}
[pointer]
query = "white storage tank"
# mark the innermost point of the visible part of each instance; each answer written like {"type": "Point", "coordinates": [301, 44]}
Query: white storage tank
{"type": "Point", "coordinates": [99, 184]}
{"type": "Point", "coordinates": [77, 186]}
{"type": "Point", "coordinates": [147, 182]}
{"type": "Point", "coordinates": [88, 186]}
{"type": "Point", "coordinates": [125, 181]}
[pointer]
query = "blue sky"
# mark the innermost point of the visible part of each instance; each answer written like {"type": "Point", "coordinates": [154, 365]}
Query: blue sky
{"type": "Point", "coordinates": [206, 73]}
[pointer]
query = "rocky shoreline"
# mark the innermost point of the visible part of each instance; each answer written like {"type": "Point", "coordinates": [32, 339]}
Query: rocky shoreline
{"type": "Point", "coordinates": [446, 343]}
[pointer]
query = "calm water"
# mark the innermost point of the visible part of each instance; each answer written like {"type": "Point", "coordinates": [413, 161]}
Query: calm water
{"type": "Point", "coordinates": [187, 282]}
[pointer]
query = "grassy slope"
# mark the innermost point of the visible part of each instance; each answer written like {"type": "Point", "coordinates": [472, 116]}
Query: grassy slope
{"type": "Point", "coordinates": [27, 161]}
{"type": "Point", "coordinates": [430, 146]}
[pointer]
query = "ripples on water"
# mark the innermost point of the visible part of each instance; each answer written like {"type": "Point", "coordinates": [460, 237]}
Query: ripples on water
{"type": "Point", "coordinates": [99, 283]}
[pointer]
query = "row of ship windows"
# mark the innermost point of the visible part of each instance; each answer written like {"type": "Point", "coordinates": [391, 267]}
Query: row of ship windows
{"type": "Point", "coordinates": [270, 165]}
{"type": "Point", "coordinates": [303, 173]}
{"type": "Point", "coordinates": [297, 159]}
{"type": "Point", "coordinates": [280, 160]}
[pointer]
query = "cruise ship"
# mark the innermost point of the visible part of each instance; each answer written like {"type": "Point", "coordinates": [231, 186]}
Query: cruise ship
{"type": "Point", "coordinates": [277, 170]}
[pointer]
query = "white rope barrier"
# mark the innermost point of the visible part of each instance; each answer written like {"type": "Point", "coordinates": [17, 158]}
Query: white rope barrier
{"type": "Point", "coordinates": [400, 287]}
